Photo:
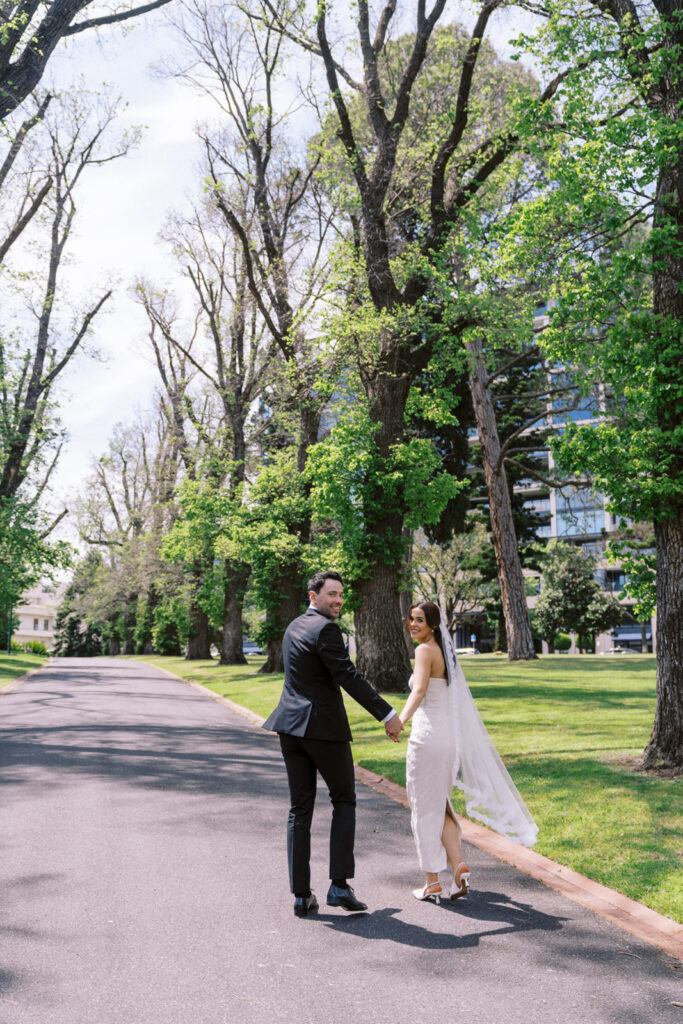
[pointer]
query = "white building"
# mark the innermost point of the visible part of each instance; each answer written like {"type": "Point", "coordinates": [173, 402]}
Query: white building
{"type": "Point", "coordinates": [35, 617]}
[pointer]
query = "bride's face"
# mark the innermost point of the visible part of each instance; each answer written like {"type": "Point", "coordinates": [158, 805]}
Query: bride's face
{"type": "Point", "coordinates": [417, 624]}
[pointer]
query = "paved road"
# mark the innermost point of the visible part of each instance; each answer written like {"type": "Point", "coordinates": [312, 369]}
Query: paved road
{"type": "Point", "coordinates": [143, 881]}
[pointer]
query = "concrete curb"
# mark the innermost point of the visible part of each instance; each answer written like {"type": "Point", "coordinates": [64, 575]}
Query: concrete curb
{"type": "Point", "coordinates": [634, 917]}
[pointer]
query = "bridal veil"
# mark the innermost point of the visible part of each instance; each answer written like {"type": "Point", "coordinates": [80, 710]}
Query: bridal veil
{"type": "Point", "coordinates": [490, 794]}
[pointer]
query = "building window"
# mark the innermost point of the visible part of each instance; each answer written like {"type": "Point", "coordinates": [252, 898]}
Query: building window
{"type": "Point", "coordinates": [35, 623]}
{"type": "Point", "coordinates": [615, 580]}
{"type": "Point", "coordinates": [579, 512]}
{"type": "Point", "coordinates": [46, 624]}
{"type": "Point", "coordinates": [540, 506]}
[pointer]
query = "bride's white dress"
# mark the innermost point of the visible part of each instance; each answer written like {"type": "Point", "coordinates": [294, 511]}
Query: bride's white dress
{"type": "Point", "coordinates": [429, 773]}
{"type": "Point", "coordinates": [449, 745]}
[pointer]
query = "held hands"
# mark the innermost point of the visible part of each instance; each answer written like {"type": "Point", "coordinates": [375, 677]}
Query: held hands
{"type": "Point", "coordinates": [393, 728]}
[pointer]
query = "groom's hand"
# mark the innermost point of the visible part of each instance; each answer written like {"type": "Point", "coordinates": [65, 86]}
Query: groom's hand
{"type": "Point", "coordinates": [393, 728]}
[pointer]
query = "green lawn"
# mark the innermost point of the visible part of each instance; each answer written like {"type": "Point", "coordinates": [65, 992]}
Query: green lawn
{"type": "Point", "coordinates": [14, 665]}
{"type": "Point", "coordinates": [567, 728]}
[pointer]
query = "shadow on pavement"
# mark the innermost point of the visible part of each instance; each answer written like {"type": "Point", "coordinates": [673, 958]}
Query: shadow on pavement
{"type": "Point", "coordinates": [482, 907]}
{"type": "Point", "coordinates": [184, 759]}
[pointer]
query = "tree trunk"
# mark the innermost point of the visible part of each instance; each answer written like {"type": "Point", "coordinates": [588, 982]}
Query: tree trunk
{"type": "Point", "coordinates": [643, 638]}
{"type": "Point", "coordinates": [665, 748]}
{"type": "Point", "coordinates": [501, 638]}
{"type": "Point", "coordinates": [129, 622]}
{"type": "Point", "coordinates": [199, 641]}
{"type": "Point", "coordinates": [382, 655]}
{"type": "Point", "coordinates": [287, 610]}
{"type": "Point", "coordinates": [406, 596]}
{"type": "Point", "coordinates": [666, 743]}
{"type": "Point", "coordinates": [231, 642]}
{"type": "Point", "coordinates": [513, 593]}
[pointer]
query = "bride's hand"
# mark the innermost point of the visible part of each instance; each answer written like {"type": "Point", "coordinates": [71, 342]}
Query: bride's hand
{"type": "Point", "coordinates": [393, 727]}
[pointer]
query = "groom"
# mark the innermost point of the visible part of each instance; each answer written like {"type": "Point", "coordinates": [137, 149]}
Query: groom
{"type": "Point", "coordinates": [315, 737]}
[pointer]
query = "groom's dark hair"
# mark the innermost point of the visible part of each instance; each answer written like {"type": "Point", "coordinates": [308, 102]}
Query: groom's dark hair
{"type": "Point", "coordinates": [317, 581]}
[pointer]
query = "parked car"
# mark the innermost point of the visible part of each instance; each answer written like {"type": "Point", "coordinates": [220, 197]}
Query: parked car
{"type": "Point", "coordinates": [460, 651]}
{"type": "Point", "coordinates": [249, 647]}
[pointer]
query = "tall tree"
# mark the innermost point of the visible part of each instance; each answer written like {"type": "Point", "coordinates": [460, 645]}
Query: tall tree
{"type": "Point", "coordinates": [571, 599]}
{"type": "Point", "coordinates": [44, 159]}
{"type": "Point", "coordinates": [77, 134]}
{"type": "Point", "coordinates": [123, 513]}
{"type": "Point", "coordinates": [266, 190]}
{"type": "Point", "coordinates": [234, 364]}
{"type": "Point", "coordinates": [189, 430]}
{"type": "Point", "coordinates": [620, 113]}
{"type": "Point", "coordinates": [429, 143]}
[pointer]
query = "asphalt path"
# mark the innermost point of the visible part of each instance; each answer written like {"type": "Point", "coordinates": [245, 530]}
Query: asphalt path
{"type": "Point", "coordinates": [143, 880]}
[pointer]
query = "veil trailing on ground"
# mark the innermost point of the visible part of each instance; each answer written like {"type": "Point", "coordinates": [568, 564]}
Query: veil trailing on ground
{"type": "Point", "coordinates": [490, 794]}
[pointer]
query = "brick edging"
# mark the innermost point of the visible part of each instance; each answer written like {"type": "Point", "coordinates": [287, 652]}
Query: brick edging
{"type": "Point", "coordinates": [636, 918]}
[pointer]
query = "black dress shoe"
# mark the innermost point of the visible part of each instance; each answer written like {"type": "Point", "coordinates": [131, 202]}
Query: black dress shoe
{"type": "Point", "coordinates": [304, 905]}
{"type": "Point", "coordinates": [344, 897]}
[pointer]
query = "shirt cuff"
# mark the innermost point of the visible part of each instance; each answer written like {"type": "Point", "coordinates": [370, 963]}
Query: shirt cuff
{"type": "Point", "coordinates": [390, 715]}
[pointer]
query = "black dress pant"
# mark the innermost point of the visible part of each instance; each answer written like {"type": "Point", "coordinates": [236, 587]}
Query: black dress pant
{"type": "Point", "coordinates": [304, 758]}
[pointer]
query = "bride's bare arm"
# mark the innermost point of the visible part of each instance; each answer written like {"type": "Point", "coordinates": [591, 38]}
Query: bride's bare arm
{"type": "Point", "coordinates": [423, 661]}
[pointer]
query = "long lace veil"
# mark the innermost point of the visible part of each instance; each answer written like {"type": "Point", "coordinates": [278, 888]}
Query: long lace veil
{"type": "Point", "coordinates": [490, 794]}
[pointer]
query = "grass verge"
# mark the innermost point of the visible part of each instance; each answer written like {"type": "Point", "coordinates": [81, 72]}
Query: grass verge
{"type": "Point", "coordinates": [14, 665]}
{"type": "Point", "coordinates": [569, 729]}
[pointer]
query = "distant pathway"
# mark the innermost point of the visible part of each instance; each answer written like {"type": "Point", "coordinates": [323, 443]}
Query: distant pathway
{"type": "Point", "coordinates": [143, 881]}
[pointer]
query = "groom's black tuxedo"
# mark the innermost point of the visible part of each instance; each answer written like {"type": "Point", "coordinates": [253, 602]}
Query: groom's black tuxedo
{"type": "Point", "coordinates": [317, 666]}
{"type": "Point", "coordinates": [315, 737]}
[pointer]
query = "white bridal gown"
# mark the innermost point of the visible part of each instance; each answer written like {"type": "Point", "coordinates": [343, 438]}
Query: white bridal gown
{"type": "Point", "coordinates": [450, 746]}
{"type": "Point", "coordinates": [429, 773]}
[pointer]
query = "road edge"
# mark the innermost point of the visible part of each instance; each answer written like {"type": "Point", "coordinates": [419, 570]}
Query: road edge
{"type": "Point", "coordinates": [16, 683]}
{"type": "Point", "coordinates": [641, 921]}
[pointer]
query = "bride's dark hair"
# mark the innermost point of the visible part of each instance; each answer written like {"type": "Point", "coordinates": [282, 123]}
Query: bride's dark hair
{"type": "Point", "coordinates": [433, 619]}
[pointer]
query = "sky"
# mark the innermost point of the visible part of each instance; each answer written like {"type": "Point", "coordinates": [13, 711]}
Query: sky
{"type": "Point", "coordinates": [122, 207]}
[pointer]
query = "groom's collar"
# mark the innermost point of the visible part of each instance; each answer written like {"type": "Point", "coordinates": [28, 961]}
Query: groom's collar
{"type": "Point", "coordinates": [312, 608]}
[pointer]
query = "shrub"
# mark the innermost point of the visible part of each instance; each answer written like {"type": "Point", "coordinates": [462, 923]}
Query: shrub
{"type": "Point", "coordinates": [562, 642]}
{"type": "Point", "coordinates": [35, 647]}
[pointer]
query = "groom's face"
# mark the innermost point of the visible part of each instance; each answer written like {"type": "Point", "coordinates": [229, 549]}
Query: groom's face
{"type": "Point", "coordinates": [329, 600]}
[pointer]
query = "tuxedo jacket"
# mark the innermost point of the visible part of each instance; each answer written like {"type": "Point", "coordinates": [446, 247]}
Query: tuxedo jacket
{"type": "Point", "coordinates": [317, 667]}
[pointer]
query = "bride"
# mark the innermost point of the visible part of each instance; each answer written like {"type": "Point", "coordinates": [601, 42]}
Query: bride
{"type": "Point", "coordinates": [448, 746]}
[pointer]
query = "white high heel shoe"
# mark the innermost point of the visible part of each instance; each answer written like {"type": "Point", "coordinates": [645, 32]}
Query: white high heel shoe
{"type": "Point", "coordinates": [460, 885]}
{"type": "Point", "coordinates": [431, 891]}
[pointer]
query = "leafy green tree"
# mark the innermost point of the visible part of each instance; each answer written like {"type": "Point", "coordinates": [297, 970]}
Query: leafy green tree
{"type": "Point", "coordinates": [26, 553]}
{"type": "Point", "coordinates": [171, 625]}
{"type": "Point", "coordinates": [208, 513]}
{"type": "Point", "coordinates": [272, 534]}
{"type": "Point", "coordinates": [422, 138]}
{"type": "Point", "coordinates": [76, 636]}
{"type": "Point", "coordinates": [447, 573]}
{"type": "Point", "coordinates": [232, 357]}
{"type": "Point", "coordinates": [125, 510]}
{"type": "Point", "coordinates": [571, 600]}
{"type": "Point", "coordinates": [266, 192]}
{"type": "Point", "coordinates": [69, 139]}
{"type": "Point", "coordinates": [620, 291]}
